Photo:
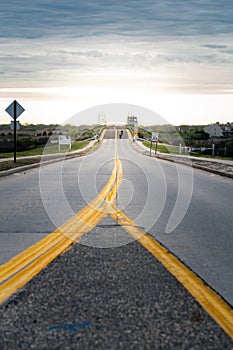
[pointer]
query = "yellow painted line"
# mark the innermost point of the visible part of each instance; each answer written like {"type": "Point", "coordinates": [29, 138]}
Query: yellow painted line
{"type": "Point", "coordinates": [113, 193]}
{"type": "Point", "coordinates": [87, 219]}
{"type": "Point", "coordinates": [216, 307]}
{"type": "Point", "coordinates": [27, 256]}
{"type": "Point", "coordinates": [21, 260]}
{"type": "Point", "coordinates": [80, 229]}
{"type": "Point", "coordinates": [23, 276]}
{"type": "Point", "coordinates": [30, 254]}
{"type": "Point", "coordinates": [24, 266]}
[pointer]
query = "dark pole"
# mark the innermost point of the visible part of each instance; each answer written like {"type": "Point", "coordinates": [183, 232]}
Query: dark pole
{"type": "Point", "coordinates": [14, 116]}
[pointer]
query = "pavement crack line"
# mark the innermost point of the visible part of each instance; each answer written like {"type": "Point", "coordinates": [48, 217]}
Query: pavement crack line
{"type": "Point", "coordinates": [23, 267]}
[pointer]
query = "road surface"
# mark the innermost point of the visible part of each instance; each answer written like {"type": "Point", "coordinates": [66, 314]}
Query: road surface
{"type": "Point", "coordinates": [108, 291]}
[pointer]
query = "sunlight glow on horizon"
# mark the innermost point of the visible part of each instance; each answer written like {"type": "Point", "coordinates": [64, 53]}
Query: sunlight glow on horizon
{"type": "Point", "coordinates": [59, 59]}
{"type": "Point", "coordinates": [57, 105]}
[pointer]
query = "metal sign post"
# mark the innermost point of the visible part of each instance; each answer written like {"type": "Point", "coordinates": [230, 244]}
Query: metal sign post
{"type": "Point", "coordinates": [156, 147]}
{"type": "Point", "coordinates": [150, 146]}
{"type": "Point", "coordinates": [15, 134]}
{"type": "Point", "coordinates": [14, 110]}
{"type": "Point", "coordinates": [155, 138]}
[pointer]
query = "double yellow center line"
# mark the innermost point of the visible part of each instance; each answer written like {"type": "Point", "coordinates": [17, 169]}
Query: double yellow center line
{"type": "Point", "coordinates": [23, 267]}
{"type": "Point", "coordinates": [20, 269]}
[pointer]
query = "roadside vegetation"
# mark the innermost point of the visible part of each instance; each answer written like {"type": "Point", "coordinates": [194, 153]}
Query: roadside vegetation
{"type": "Point", "coordinates": [49, 149]}
{"type": "Point", "coordinates": [162, 148]}
{"type": "Point", "coordinates": [37, 140]}
{"type": "Point", "coordinates": [190, 136]}
{"type": "Point", "coordinates": [33, 140]}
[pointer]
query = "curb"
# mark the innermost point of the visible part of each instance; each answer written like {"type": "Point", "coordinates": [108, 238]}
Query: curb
{"type": "Point", "coordinates": [192, 164]}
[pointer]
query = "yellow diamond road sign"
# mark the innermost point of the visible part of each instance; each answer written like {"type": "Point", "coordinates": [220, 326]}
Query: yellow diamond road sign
{"type": "Point", "coordinates": [15, 109]}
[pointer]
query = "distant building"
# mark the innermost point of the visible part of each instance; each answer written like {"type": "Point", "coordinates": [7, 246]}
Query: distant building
{"type": "Point", "coordinates": [219, 130]}
{"type": "Point", "coordinates": [132, 122]}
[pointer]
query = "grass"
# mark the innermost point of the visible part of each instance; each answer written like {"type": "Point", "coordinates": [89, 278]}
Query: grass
{"type": "Point", "coordinates": [175, 150]}
{"type": "Point", "coordinates": [53, 150]}
{"type": "Point", "coordinates": [162, 148]}
{"type": "Point", "coordinates": [78, 145]}
{"type": "Point", "coordinates": [47, 149]}
{"type": "Point", "coordinates": [9, 164]}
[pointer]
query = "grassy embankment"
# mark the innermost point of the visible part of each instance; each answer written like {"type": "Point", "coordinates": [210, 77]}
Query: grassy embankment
{"type": "Point", "coordinates": [51, 149]}
{"type": "Point", "coordinates": [175, 150]}
{"type": "Point", "coordinates": [162, 148]}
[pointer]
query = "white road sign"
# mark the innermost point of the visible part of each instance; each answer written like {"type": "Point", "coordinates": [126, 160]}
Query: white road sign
{"type": "Point", "coordinates": [64, 140]}
{"type": "Point", "coordinates": [15, 109]}
{"type": "Point", "coordinates": [155, 136]}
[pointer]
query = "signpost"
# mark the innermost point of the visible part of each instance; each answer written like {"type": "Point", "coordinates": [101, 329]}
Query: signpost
{"type": "Point", "coordinates": [15, 110]}
{"type": "Point", "coordinates": [135, 134]}
{"type": "Point", "coordinates": [64, 140]}
{"type": "Point", "coordinates": [17, 125]}
{"type": "Point", "coordinates": [154, 138]}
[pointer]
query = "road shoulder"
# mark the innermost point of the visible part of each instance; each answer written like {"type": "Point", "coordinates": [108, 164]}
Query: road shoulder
{"type": "Point", "coordinates": [218, 168]}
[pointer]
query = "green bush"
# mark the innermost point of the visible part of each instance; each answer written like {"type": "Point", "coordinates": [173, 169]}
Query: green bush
{"type": "Point", "coordinates": [25, 144]}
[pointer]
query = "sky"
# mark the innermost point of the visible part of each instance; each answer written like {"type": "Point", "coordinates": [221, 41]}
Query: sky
{"type": "Point", "coordinates": [175, 58]}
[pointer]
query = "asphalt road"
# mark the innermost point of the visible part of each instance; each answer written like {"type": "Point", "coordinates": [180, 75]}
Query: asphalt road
{"type": "Point", "coordinates": [108, 292]}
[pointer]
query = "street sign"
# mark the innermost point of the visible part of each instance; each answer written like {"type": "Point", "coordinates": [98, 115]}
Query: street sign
{"type": "Point", "coordinates": [17, 125]}
{"type": "Point", "coordinates": [155, 136]}
{"type": "Point", "coordinates": [14, 109]}
{"type": "Point", "coordinates": [64, 140]}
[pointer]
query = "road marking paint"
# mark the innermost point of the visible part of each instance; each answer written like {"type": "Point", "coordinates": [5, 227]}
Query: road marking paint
{"type": "Point", "coordinates": [79, 223]}
{"type": "Point", "coordinates": [23, 267]}
{"type": "Point", "coordinates": [20, 269]}
{"type": "Point", "coordinates": [215, 306]}
{"type": "Point", "coordinates": [25, 275]}
{"type": "Point", "coordinates": [213, 303]}
{"type": "Point", "coordinates": [24, 258]}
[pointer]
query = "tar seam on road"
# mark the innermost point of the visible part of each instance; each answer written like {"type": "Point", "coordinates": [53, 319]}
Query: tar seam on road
{"type": "Point", "coordinates": [23, 267]}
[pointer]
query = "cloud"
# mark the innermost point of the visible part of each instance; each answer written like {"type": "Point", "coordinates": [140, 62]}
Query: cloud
{"type": "Point", "coordinates": [164, 64]}
{"type": "Point", "coordinates": [41, 18]}
{"type": "Point", "coordinates": [168, 44]}
{"type": "Point", "coordinates": [228, 52]}
{"type": "Point", "coordinates": [214, 46]}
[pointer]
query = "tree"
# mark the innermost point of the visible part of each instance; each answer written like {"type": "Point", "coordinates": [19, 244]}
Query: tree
{"type": "Point", "coordinates": [229, 145]}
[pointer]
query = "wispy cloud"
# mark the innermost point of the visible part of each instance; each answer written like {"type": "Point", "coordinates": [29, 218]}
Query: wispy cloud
{"type": "Point", "coordinates": [214, 46]}
{"type": "Point", "coordinates": [185, 44]}
{"type": "Point", "coordinates": [94, 17]}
